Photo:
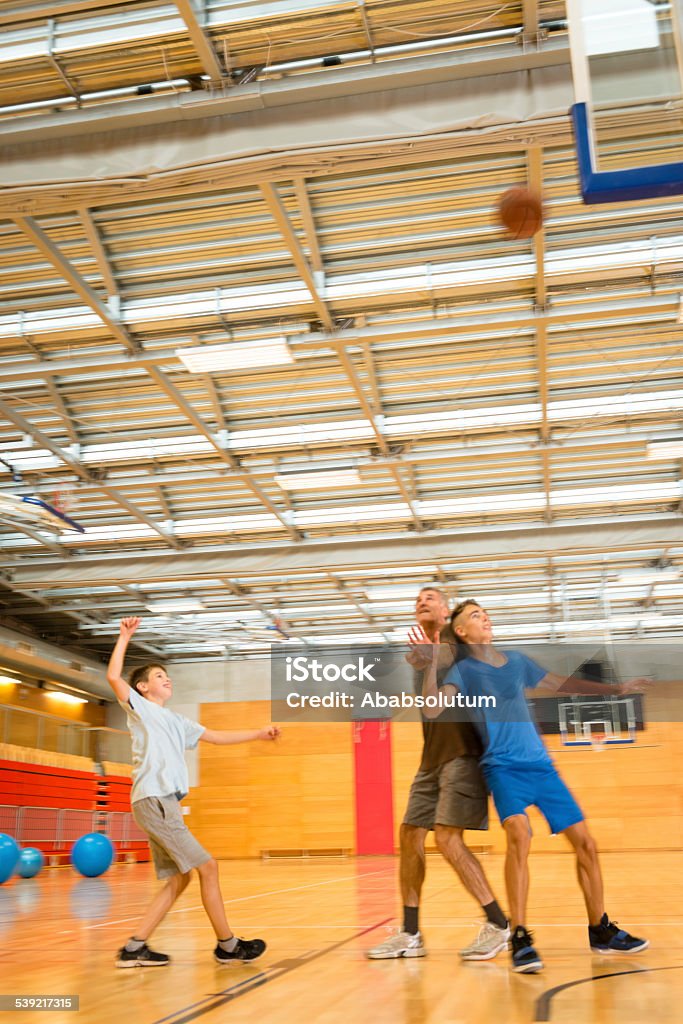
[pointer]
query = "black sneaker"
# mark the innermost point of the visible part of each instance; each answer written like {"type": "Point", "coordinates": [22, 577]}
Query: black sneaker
{"type": "Point", "coordinates": [606, 937]}
{"type": "Point", "coordinates": [246, 949]}
{"type": "Point", "coordinates": [525, 959]}
{"type": "Point", "coordinates": [144, 957]}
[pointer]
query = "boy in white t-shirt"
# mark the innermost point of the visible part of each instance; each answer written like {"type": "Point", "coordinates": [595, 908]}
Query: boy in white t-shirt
{"type": "Point", "coordinates": [160, 781]}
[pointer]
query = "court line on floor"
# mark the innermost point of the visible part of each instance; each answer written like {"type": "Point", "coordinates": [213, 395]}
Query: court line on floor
{"type": "Point", "coordinates": [272, 973]}
{"type": "Point", "coordinates": [543, 1010]}
{"type": "Point", "coordinates": [242, 899]}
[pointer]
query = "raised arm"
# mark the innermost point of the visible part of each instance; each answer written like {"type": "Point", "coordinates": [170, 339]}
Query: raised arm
{"type": "Point", "coordinates": [431, 653]}
{"type": "Point", "coordinates": [224, 737]}
{"type": "Point", "coordinates": [115, 667]}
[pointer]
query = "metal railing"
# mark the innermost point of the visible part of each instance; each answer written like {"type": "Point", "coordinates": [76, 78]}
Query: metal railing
{"type": "Point", "coordinates": [59, 828]}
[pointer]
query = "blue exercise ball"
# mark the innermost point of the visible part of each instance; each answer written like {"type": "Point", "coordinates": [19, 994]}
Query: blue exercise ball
{"type": "Point", "coordinates": [92, 854]}
{"type": "Point", "coordinates": [9, 855]}
{"type": "Point", "coordinates": [31, 861]}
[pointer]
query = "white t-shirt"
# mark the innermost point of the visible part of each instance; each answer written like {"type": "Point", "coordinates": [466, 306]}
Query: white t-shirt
{"type": "Point", "coordinates": [160, 738]}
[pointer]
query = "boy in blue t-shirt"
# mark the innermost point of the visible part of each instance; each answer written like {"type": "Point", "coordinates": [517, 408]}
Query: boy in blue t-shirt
{"type": "Point", "coordinates": [160, 738]}
{"type": "Point", "coordinates": [520, 773]}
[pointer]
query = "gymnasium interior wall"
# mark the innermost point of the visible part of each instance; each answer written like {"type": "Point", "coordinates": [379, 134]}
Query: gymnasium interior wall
{"type": "Point", "coordinates": [302, 793]}
{"type": "Point", "coordinates": [29, 698]}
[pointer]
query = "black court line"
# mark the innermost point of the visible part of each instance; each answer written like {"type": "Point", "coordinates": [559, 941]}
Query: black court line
{"type": "Point", "coordinates": [278, 970]}
{"type": "Point", "coordinates": [543, 1008]}
{"type": "Point", "coordinates": [214, 995]}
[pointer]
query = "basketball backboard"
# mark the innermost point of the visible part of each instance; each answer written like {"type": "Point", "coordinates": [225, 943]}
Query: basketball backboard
{"type": "Point", "coordinates": [627, 65]}
{"type": "Point", "coordinates": [612, 719]}
{"type": "Point", "coordinates": [34, 513]}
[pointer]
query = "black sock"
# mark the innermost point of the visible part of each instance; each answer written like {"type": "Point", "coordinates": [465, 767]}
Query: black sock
{"type": "Point", "coordinates": [410, 924]}
{"type": "Point", "coordinates": [494, 914]}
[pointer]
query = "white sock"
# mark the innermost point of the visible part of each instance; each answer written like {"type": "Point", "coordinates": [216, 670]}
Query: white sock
{"type": "Point", "coordinates": [134, 945]}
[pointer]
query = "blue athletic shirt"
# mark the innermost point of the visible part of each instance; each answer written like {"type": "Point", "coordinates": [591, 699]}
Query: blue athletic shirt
{"type": "Point", "coordinates": [508, 731]}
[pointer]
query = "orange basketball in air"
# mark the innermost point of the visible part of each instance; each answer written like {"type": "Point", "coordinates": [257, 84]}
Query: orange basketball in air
{"type": "Point", "coordinates": [521, 212]}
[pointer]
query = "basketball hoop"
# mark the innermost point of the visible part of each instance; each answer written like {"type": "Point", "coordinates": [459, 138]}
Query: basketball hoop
{"type": "Point", "coordinates": [64, 499]}
{"type": "Point", "coordinates": [598, 740]}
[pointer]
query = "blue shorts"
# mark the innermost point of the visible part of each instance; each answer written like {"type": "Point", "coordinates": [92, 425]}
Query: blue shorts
{"type": "Point", "coordinates": [515, 789]}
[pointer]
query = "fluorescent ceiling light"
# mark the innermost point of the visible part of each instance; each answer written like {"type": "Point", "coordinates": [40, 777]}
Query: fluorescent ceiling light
{"type": "Point", "coordinates": [176, 604]}
{"type": "Point", "coordinates": [315, 479]}
{"type": "Point", "coordinates": [665, 450]}
{"type": "Point", "coordinates": [399, 608]}
{"type": "Point", "coordinates": [178, 585]}
{"type": "Point", "coordinates": [398, 590]}
{"type": "Point", "coordinates": [65, 698]}
{"type": "Point", "coordinates": [351, 514]}
{"type": "Point", "coordinates": [347, 638]}
{"type": "Point", "coordinates": [635, 492]}
{"type": "Point", "coordinates": [236, 355]}
{"type": "Point", "coordinates": [415, 571]}
{"type": "Point", "coordinates": [648, 575]}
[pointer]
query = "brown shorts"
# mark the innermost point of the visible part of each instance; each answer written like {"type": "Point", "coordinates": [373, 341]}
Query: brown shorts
{"type": "Point", "coordinates": [174, 849]}
{"type": "Point", "coordinates": [453, 794]}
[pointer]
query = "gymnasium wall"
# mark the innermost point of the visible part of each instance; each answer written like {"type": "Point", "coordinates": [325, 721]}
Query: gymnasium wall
{"type": "Point", "coordinates": [300, 794]}
{"type": "Point", "coordinates": [29, 698]}
{"type": "Point", "coordinates": [296, 794]}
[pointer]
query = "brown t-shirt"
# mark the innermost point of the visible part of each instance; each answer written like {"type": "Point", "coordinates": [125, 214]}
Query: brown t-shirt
{"type": "Point", "coordinates": [444, 740]}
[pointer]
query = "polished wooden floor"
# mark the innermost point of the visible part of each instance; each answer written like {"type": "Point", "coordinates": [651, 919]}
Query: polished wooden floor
{"type": "Point", "coordinates": [59, 933]}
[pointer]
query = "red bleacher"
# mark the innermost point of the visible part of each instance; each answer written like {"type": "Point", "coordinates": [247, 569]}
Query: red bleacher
{"type": "Point", "coordinates": [113, 792]}
{"type": "Point", "coordinates": [41, 785]}
{"type": "Point", "coordinates": [50, 807]}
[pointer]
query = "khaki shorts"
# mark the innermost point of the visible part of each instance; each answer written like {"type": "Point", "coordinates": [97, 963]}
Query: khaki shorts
{"type": "Point", "coordinates": [453, 794]}
{"type": "Point", "coordinates": [174, 849]}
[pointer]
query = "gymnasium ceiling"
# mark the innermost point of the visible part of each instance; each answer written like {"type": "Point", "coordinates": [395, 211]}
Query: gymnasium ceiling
{"type": "Point", "coordinates": [507, 413]}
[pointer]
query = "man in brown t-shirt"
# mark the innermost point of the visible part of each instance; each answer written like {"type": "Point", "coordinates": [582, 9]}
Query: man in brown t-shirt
{"type": "Point", "coordinates": [448, 795]}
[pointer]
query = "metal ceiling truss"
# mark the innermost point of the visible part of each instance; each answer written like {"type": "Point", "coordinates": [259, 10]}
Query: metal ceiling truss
{"type": "Point", "coordinates": [505, 404]}
{"type": "Point", "coordinates": [121, 334]}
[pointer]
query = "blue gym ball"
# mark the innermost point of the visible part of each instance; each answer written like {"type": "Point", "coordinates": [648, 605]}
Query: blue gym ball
{"type": "Point", "coordinates": [92, 854]}
{"type": "Point", "coordinates": [9, 855]}
{"type": "Point", "coordinates": [31, 861]}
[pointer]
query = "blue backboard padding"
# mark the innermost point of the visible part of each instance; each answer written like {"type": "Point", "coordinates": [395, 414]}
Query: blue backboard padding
{"type": "Point", "coordinates": [629, 183]}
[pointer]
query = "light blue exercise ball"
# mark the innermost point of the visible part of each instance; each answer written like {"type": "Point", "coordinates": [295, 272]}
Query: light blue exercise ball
{"type": "Point", "coordinates": [9, 855]}
{"type": "Point", "coordinates": [30, 863]}
{"type": "Point", "coordinates": [92, 854]}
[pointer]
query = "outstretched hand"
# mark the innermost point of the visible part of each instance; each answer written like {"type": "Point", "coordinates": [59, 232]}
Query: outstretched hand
{"type": "Point", "coordinates": [128, 626]}
{"type": "Point", "coordinates": [271, 732]}
{"type": "Point", "coordinates": [638, 685]}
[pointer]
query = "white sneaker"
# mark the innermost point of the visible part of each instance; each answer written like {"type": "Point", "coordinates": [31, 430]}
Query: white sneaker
{"type": "Point", "coordinates": [490, 941]}
{"type": "Point", "coordinates": [400, 944]}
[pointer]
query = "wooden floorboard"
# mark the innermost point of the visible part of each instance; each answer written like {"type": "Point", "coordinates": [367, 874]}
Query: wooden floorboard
{"type": "Point", "coordinates": [59, 934]}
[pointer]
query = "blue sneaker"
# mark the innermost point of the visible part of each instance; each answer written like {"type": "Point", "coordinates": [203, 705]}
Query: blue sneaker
{"type": "Point", "coordinates": [525, 959]}
{"type": "Point", "coordinates": [607, 938]}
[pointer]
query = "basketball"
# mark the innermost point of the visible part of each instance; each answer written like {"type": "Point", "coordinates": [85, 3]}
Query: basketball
{"type": "Point", "coordinates": [521, 212]}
